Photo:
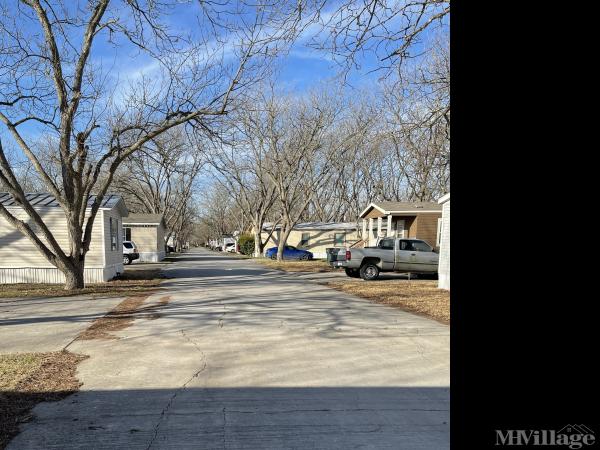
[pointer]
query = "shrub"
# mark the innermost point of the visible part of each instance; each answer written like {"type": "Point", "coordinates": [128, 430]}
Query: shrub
{"type": "Point", "coordinates": [246, 242]}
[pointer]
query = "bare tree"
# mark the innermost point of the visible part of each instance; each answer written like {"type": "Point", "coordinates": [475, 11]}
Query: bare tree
{"type": "Point", "coordinates": [419, 124]}
{"type": "Point", "coordinates": [392, 30]}
{"type": "Point", "coordinates": [295, 136]}
{"type": "Point", "coordinates": [49, 81]}
{"type": "Point", "coordinates": [160, 178]}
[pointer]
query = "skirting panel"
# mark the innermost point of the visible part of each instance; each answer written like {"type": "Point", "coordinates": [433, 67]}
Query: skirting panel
{"type": "Point", "coordinates": [151, 256]}
{"type": "Point", "coordinates": [51, 275]}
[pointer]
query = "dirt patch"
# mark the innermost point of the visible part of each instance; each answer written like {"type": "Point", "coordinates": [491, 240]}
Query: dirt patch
{"type": "Point", "coordinates": [313, 266]}
{"type": "Point", "coordinates": [118, 318]}
{"type": "Point", "coordinates": [27, 379]}
{"type": "Point", "coordinates": [419, 296]}
{"type": "Point", "coordinates": [138, 281]}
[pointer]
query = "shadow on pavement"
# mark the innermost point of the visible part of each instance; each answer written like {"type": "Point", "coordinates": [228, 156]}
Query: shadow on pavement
{"type": "Point", "coordinates": [245, 417]}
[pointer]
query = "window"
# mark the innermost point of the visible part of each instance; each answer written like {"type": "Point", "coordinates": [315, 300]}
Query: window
{"type": "Point", "coordinates": [386, 244]}
{"type": "Point", "coordinates": [439, 232]}
{"type": "Point", "coordinates": [113, 234]}
{"type": "Point", "coordinates": [421, 246]}
{"type": "Point", "coordinates": [406, 245]}
{"type": "Point", "coordinates": [128, 245]}
{"type": "Point", "coordinates": [339, 239]}
{"type": "Point", "coordinates": [127, 234]}
{"type": "Point", "coordinates": [304, 240]}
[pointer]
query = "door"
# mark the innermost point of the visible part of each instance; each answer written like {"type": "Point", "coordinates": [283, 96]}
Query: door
{"type": "Point", "coordinates": [424, 258]}
{"type": "Point", "coordinates": [400, 224]}
{"type": "Point", "coordinates": [386, 247]}
{"type": "Point", "coordinates": [404, 256]}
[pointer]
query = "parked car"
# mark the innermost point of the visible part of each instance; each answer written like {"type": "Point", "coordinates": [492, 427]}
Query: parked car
{"type": "Point", "coordinates": [289, 252]}
{"type": "Point", "coordinates": [390, 255]}
{"type": "Point", "coordinates": [130, 252]}
{"type": "Point", "coordinates": [230, 247]}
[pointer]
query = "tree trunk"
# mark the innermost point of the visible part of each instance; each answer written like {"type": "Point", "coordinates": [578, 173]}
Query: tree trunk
{"type": "Point", "coordinates": [282, 241]}
{"type": "Point", "coordinates": [73, 269]}
{"type": "Point", "coordinates": [257, 244]}
{"type": "Point", "coordinates": [73, 276]}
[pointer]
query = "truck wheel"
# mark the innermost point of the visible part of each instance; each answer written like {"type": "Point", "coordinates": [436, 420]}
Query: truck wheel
{"type": "Point", "coordinates": [369, 272]}
{"type": "Point", "coordinates": [126, 259]}
{"type": "Point", "coordinates": [274, 256]}
{"type": "Point", "coordinates": [352, 273]}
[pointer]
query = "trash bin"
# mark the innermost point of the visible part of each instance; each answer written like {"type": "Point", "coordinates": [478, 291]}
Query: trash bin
{"type": "Point", "coordinates": [331, 256]}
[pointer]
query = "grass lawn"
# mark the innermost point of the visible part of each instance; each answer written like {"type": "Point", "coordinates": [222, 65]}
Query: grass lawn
{"type": "Point", "coordinates": [27, 379]}
{"type": "Point", "coordinates": [315, 265]}
{"type": "Point", "coordinates": [134, 281]}
{"type": "Point", "coordinates": [418, 296]}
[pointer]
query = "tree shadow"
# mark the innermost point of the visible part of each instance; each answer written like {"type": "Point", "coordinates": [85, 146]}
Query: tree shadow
{"type": "Point", "coordinates": [243, 417]}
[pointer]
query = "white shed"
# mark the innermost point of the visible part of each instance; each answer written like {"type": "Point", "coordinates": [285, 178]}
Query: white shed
{"type": "Point", "coordinates": [444, 264]}
{"type": "Point", "coordinates": [22, 262]}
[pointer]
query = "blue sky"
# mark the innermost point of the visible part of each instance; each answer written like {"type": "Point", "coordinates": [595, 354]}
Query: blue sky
{"type": "Point", "coordinates": [301, 69]}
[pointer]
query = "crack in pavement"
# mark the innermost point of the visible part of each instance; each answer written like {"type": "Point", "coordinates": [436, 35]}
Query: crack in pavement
{"type": "Point", "coordinates": [183, 387]}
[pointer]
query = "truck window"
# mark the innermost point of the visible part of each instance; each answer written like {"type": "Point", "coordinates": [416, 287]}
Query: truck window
{"type": "Point", "coordinates": [387, 244]}
{"type": "Point", "coordinates": [406, 245]}
{"type": "Point", "coordinates": [421, 246]}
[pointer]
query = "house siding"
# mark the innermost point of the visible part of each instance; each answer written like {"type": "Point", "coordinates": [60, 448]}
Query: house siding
{"type": "Point", "coordinates": [22, 262]}
{"type": "Point", "coordinates": [113, 258]}
{"type": "Point", "coordinates": [319, 240]}
{"type": "Point", "coordinates": [373, 214]}
{"type": "Point", "coordinates": [444, 262]}
{"type": "Point", "coordinates": [149, 241]}
{"type": "Point", "coordinates": [426, 228]}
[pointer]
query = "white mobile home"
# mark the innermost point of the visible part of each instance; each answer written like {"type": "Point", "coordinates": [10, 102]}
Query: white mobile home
{"type": "Point", "coordinates": [444, 264]}
{"type": "Point", "coordinates": [147, 231]}
{"type": "Point", "coordinates": [21, 261]}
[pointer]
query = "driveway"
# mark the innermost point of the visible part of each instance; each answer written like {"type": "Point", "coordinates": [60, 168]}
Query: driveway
{"type": "Point", "coordinates": [245, 357]}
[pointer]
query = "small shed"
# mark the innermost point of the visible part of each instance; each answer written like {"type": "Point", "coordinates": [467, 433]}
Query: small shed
{"type": "Point", "coordinates": [444, 263]}
{"type": "Point", "coordinates": [148, 233]}
{"type": "Point", "coordinates": [419, 220]}
{"type": "Point", "coordinates": [315, 237]}
{"type": "Point", "coordinates": [22, 262]}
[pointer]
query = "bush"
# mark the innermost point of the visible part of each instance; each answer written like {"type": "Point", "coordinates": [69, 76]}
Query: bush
{"type": "Point", "coordinates": [246, 243]}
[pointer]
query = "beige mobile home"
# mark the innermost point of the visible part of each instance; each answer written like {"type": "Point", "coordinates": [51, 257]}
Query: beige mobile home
{"type": "Point", "coordinates": [316, 237]}
{"type": "Point", "coordinates": [21, 262]}
{"type": "Point", "coordinates": [147, 231]}
{"type": "Point", "coordinates": [421, 220]}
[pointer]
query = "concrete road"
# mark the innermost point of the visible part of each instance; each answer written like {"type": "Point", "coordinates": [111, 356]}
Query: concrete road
{"type": "Point", "coordinates": [247, 358]}
{"type": "Point", "coordinates": [47, 324]}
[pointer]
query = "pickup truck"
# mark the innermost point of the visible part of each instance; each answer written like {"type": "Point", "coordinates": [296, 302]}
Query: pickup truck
{"type": "Point", "coordinates": [390, 255]}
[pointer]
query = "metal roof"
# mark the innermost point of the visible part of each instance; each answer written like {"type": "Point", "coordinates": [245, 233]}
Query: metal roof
{"type": "Point", "coordinates": [149, 219]}
{"type": "Point", "coordinates": [48, 200]}
{"type": "Point", "coordinates": [318, 226]}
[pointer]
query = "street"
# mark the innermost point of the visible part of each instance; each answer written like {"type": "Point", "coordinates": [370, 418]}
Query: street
{"type": "Point", "coordinates": [245, 357]}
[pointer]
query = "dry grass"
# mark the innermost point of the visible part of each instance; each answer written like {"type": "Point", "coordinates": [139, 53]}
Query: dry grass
{"type": "Point", "coordinates": [122, 316]}
{"type": "Point", "coordinates": [118, 318]}
{"type": "Point", "coordinates": [137, 281]}
{"type": "Point", "coordinates": [315, 265]}
{"type": "Point", "coordinates": [417, 296]}
{"type": "Point", "coordinates": [27, 379]}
